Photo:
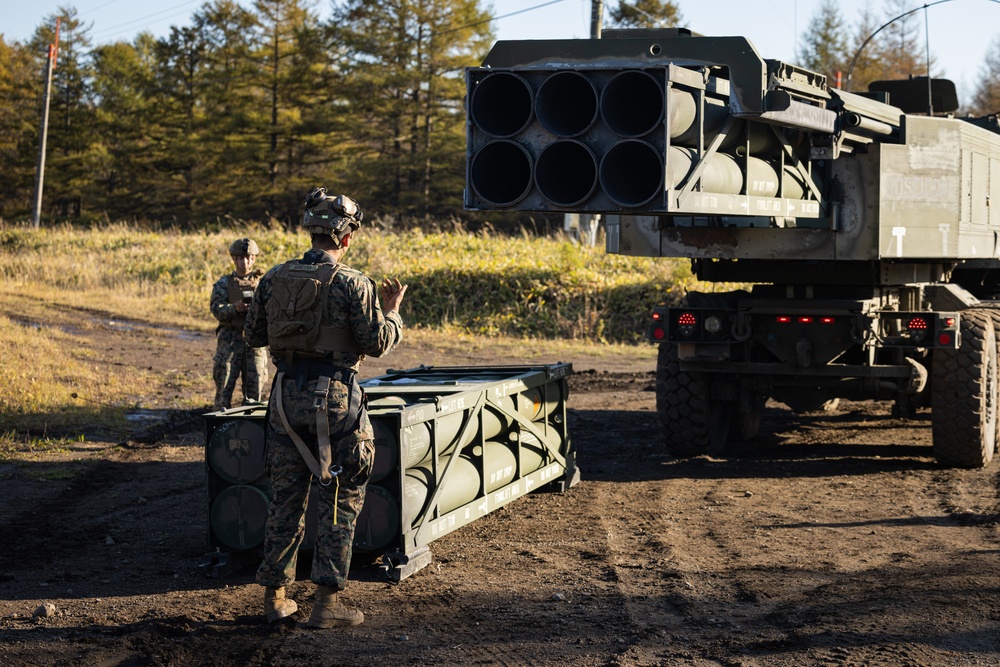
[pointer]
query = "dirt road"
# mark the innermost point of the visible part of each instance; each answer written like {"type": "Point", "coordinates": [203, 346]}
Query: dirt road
{"type": "Point", "coordinates": [832, 540]}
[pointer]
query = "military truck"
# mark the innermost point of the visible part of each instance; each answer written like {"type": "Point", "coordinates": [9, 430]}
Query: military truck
{"type": "Point", "coordinates": [851, 239]}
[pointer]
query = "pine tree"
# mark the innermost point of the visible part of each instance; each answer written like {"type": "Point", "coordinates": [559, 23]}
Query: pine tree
{"type": "Point", "coordinates": [890, 48]}
{"type": "Point", "coordinates": [864, 65]}
{"type": "Point", "coordinates": [120, 154]}
{"type": "Point", "coordinates": [231, 143]}
{"type": "Point", "coordinates": [179, 74]}
{"type": "Point", "coordinates": [645, 14]}
{"type": "Point", "coordinates": [901, 50]}
{"type": "Point", "coordinates": [401, 70]}
{"type": "Point", "coordinates": [825, 47]}
{"type": "Point", "coordinates": [987, 96]}
{"type": "Point", "coordinates": [20, 99]}
{"type": "Point", "coordinates": [288, 57]}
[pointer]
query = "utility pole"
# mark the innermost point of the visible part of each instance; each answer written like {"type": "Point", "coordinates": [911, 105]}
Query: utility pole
{"type": "Point", "coordinates": [584, 225]}
{"type": "Point", "coordinates": [36, 214]}
{"type": "Point", "coordinates": [596, 17]}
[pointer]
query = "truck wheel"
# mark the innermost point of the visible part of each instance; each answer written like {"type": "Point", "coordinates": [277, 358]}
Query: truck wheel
{"type": "Point", "coordinates": [691, 422]}
{"type": "Point", "coordinates": [964, 398]}
{"type": "Point", "coordinates": [994, 314]}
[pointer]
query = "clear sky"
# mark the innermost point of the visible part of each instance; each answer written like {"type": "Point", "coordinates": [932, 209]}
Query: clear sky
{"type": "Point", "coordinates": [960, 30]}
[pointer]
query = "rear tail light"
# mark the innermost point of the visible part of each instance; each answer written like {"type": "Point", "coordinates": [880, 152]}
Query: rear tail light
{"type": "Point", "coordinates": [687, 324]}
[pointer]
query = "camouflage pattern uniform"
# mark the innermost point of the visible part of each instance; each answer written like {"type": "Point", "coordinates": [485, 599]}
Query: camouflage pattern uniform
{"type": "Point", "coordinates": [353, 303]}
{"type": "Point", "coordinates": [232, 357]}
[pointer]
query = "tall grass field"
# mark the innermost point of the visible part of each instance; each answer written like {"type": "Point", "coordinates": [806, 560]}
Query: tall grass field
{"type": "Point", "coordinates": [461, 283]}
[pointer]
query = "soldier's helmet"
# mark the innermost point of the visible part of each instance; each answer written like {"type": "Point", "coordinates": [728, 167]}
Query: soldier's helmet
{"type": "Point", "coordinates": [242, 247]}
{"type": "Point", "coordinates": [331, 215]}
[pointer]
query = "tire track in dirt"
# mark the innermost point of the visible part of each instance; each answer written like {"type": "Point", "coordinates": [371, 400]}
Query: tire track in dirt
{"type": "Point", "coordinates": [887, 534]}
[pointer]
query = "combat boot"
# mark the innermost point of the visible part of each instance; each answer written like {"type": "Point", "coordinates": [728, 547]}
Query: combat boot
{"type": "Point", "coordinates": [276, 605]}
{"type": "Point", "coordinates": [328, 612]}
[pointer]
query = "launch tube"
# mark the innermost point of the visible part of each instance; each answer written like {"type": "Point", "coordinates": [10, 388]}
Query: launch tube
{"type": "Point", "coordinates": [500, 172]}
{"type": "Point", "coordinates": [501, 104]}
{"type": "Point", "coordinates": [566, 104]}
{"type": "Point", "coordinates": [682, 111]}
{"type": "Point", "coordinates": [378, 522]}
{"type": "Point", "coordinates": [721, 173]}
{"type": "Point", "coordinates": [535, 454]}
{"type": "Point", "coordinates": [238, 515]}
{"type": "Point", "coordinates": [566, 173]}
{"type": "Point", "coordinates": [792, 184]}
{"type": "Point", "coordinates": [460, 486]}
{"type": "Point", "coordinates": [762, 179]}
{"type": "Point", "coordinates": [631, 173]}
{"type": "Point", "coordinates": [414, 446]}
{"type": "Point", "coordinates": [236, 451]}
{"type": "Point", "coordinates": [632, 103]}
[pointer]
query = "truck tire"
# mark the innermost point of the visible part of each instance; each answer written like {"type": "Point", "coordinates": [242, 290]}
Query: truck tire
{"type": "Point", "coordinates": [964, 398]}
{"type": "Point", "coordinates": [691, 422]}
{"type": "Point", "coordinates": [994, 314]}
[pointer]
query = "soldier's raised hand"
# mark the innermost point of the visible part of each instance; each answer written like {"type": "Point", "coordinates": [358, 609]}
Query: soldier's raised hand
{"type": "Point", "coordinates": [391, 292]}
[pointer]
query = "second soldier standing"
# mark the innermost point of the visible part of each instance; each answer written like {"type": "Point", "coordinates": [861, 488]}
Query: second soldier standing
{"type": "Point", "coordinates": [229, 303]}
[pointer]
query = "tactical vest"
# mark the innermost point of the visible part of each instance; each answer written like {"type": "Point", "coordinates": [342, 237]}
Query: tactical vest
{"type": "Point", "coordinates": [241, 291]}
{"type": "Point", "coordinates": [297, 314]}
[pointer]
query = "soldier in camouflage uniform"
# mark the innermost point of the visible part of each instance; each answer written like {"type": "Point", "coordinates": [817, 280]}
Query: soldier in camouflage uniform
{"type": "Point", "coordinates": [229, 303]}
{"type": "Point", "coordinates": [315, 398]}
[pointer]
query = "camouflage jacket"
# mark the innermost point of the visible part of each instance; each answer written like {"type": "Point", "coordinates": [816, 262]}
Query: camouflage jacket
{"type": "Point", "coordinates": [222, 302]}
{"type": "Point", "coordinates": [353, 302]}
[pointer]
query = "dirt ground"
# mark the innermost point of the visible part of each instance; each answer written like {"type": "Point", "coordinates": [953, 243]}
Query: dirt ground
{"type": "Point", "coordinates": [832, 540]}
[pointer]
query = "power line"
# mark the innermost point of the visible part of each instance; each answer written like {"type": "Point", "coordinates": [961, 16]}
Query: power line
{"type": "Point", "coordinates": [142, 19]}
{"type": "Point", "coordinates": [94, 9]}
{"type": "Point", "coordinates": [502, 16]}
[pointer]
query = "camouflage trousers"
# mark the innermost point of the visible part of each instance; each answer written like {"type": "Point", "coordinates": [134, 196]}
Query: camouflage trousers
{"type": "Point", "coordinates": [339, 503]}
{"type": "Point", "coordinates": [233, 358]}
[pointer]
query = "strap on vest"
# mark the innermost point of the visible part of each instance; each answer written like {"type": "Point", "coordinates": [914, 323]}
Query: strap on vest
{"type": "Point", "coordinates": [323, 469]}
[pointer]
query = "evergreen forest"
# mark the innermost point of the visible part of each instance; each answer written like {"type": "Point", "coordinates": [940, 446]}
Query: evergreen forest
{"type": "Point", "coordinates": [239, 113]}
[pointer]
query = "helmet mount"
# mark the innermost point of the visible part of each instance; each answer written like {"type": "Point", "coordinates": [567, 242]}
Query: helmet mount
{"type": "Point", "coordinates": [331, 215]}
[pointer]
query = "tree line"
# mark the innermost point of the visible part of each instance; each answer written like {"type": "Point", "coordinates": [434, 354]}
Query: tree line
{"type": "Point", "coordinates": [241, 112]}
{"type": "Point", "coordinates": [832, 45]}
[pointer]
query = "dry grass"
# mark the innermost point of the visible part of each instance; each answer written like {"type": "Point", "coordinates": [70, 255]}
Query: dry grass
{"type": "Point", "coordinates": [526, 297]}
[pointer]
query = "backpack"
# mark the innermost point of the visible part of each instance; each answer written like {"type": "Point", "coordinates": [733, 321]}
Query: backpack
{"type": "Point", "coordinates": [296, 312]}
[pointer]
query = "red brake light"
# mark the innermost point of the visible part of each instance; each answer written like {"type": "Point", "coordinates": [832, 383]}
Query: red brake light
{"type": "Point", "coordinates": [687, 320]}
{"type": "Point", "coordinates": [805, 319]}
{"type": "Point", "coordinates": [917, 324]}
{"type": "Point", "coordinates": [783, 319]}
{"type": "Point", "coordinates": [827, 320]}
